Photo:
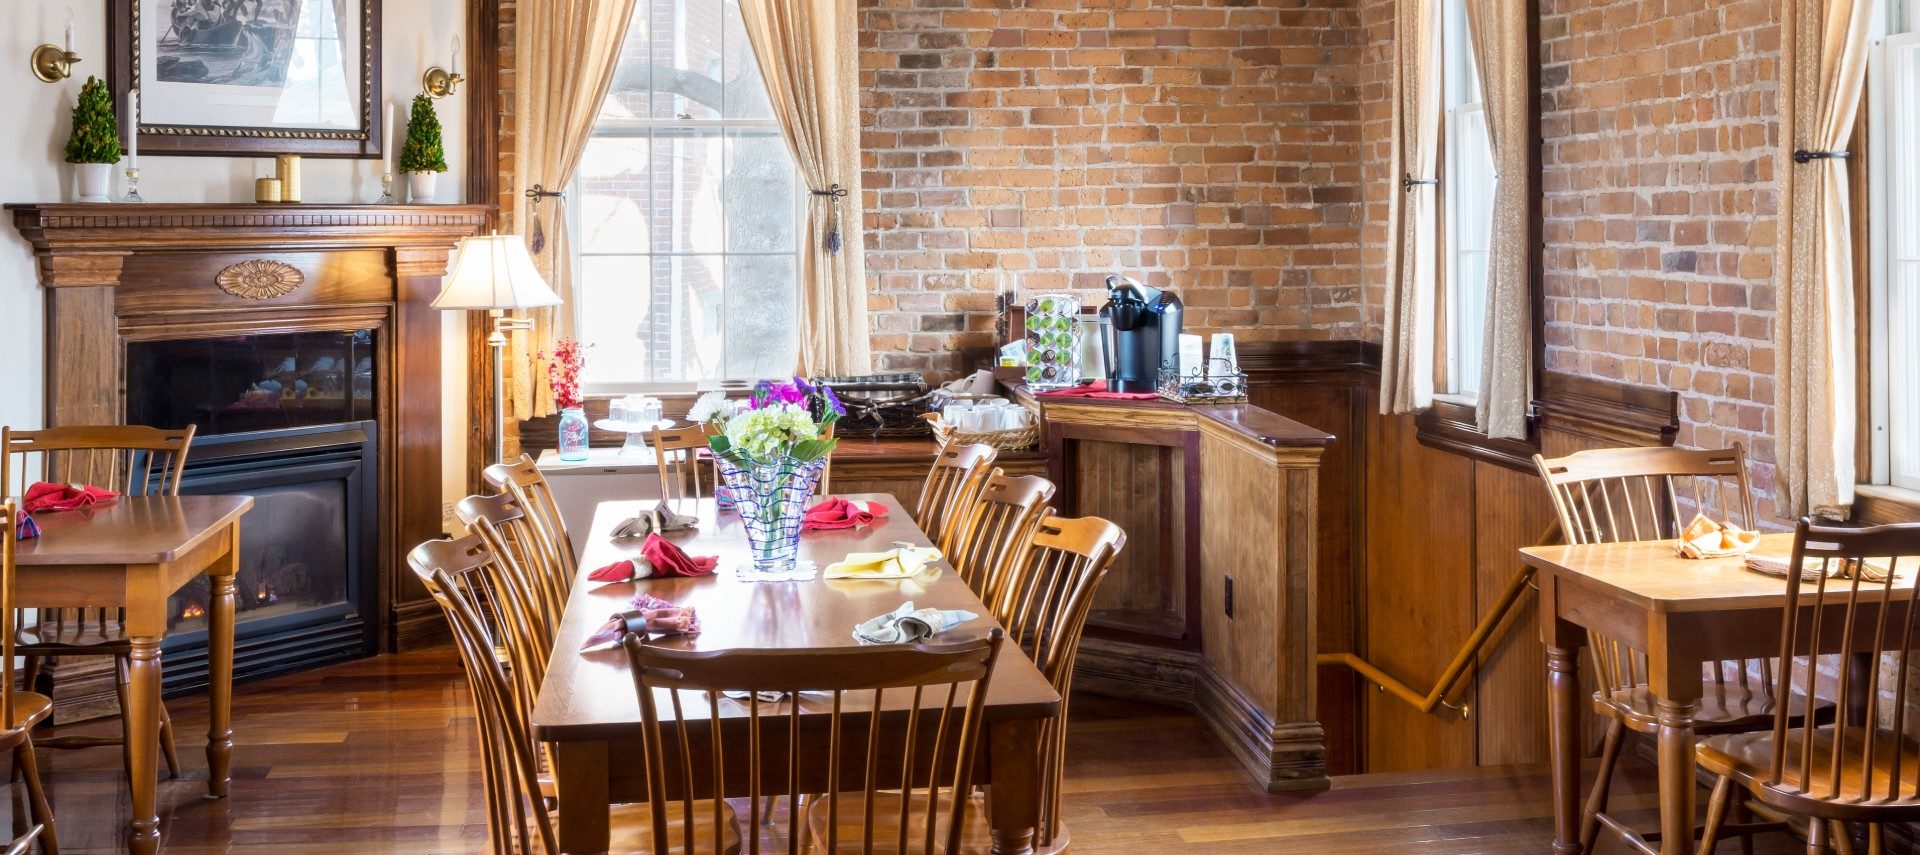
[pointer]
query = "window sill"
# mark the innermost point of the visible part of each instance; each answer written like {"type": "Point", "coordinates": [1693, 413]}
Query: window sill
{"type": "Point", "coordinates": [1878, 504]}
{"type": "Point", "coordinates": [1450, 426]}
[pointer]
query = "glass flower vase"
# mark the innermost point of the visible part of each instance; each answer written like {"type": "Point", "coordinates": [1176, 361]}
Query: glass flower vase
{"type": "Point", "coordinates": [573, 434]}
{"type": "Point", "coordinates": [771, 498]}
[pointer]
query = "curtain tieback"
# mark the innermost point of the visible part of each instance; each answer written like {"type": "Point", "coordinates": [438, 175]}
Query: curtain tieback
{"type": "Point", "coordinates": [537, 237]}
{"type": "Point", "coordinates": [1805, 156]}
{"type": "Point", "coordinates": [833, 195]}
{"type": "Point", "coordinates": [1408, 182]}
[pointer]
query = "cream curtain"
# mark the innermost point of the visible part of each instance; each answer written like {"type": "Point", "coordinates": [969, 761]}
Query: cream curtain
{"type": "Point", "coordinates": [1824, 45]}
{"type": "Point", "coordinates": [1406, 372]}
{"type": "Point", "coordinates": [809, 53]}
{"type": "Point", "coordinates": [1500, 51]}
{"type": "Point", "coordinates": [566, 52]}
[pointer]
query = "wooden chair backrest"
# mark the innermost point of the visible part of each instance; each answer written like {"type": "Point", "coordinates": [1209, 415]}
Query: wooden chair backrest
{"type": "Point", "coordinates": [684, 473]}
{"type": "Point", "coordinates": [456, 573]}
{"type": "Point", "coordinates": [529, 487]}
{"type": "Point", "coordinates": [9, 569]}
{"type": "Point", "coordinates": [948, 494]}
{"type": "Point", "coordinates": [998, 529]}
{"type": "Point", "coordinates": [1044, 603]}
{"type": "Point", "coordinates": [1862, 617]}
{"type": "Point", "coordinates": [927, 742]}
{"type": "Point", "coordinates": [1610, 495]}
{"type": "Point", "coordinates": [129, 459]}
{"type": "Point", "coordinates": [503, 525]}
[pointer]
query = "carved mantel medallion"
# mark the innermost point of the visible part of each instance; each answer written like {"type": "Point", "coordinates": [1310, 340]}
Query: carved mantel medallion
{"type": "Point", "coordinates": [260, 279]}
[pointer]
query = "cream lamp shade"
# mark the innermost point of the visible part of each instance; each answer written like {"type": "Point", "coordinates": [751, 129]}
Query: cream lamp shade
{"type": "Point", "coordinates": [493, 272]}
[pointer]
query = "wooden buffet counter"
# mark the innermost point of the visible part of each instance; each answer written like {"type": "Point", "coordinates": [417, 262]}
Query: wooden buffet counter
{"type": "Point", "coordinates": [1212, 602]}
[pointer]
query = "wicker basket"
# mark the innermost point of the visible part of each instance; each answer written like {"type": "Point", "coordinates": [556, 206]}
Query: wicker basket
{"type": "Point", "coordinates": [1017, 439]}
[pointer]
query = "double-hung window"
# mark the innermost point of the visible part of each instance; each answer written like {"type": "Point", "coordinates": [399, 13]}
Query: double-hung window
{"type": "Point", "coordinates": [1466, 213]}
{"type": "Point", "coordinates": [1893, 222]}
{"type": "Point", "coordinates": [685, 208]}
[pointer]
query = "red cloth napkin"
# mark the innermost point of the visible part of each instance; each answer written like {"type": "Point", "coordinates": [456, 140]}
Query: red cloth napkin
{"type": "Point", "coordinates": [670, 560]}
{"type": "Point", "coordinates": [621, 571]}
{"type": "Point", "coordinates": [836, 512]}
{"type": "Point", "coordinates": [45, 496]}
{"type": "Point", "coordinates": [1098, 389]}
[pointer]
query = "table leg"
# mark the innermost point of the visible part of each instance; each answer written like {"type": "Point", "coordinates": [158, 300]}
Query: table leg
{"type": "Point", "coordinates": [1674, 746]}
{"type": "Point", "coordinates": [220, 669]}
{"type": "Point", "coordinates": [580, 780]}
{"type": "Point", "coordinates": [1013, 794]}
{"type": "Point", "coordinates": [1563, 745]}
{"type": "Point", "coordinates": [143, 742]}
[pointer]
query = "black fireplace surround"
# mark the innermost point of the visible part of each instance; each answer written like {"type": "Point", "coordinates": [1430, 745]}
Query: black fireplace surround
{"type": "Point", "coordinates": [286, 419]}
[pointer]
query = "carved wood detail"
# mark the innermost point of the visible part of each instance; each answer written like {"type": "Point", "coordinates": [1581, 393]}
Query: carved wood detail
{"type": "Point", "coordinates": [260, 279]}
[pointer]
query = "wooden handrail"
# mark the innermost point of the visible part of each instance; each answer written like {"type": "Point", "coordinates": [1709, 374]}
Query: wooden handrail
{"type": "Point", "coordinates": [1482, 636]}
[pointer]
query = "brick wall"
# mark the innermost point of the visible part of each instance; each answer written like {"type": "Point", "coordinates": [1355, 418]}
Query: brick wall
{"type": "Point", "coordinates": [1661, 128]}
{"type": "Point", "coordinates": [1206, 144]}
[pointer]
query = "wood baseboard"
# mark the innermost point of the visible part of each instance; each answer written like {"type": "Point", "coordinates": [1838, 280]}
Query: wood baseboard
{"type": "Point", "coordinates": [1116, 669]}
{"type": "Point", "coordinates": [416, 625]}
{"type": "Point", "coordinates": [82, 688]}
{"type": "Point", "coordinates": [1282, 756]}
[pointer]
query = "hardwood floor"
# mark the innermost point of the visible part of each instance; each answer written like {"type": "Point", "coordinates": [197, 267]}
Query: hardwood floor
{"type": "Point", "coordinates": [375, 756]}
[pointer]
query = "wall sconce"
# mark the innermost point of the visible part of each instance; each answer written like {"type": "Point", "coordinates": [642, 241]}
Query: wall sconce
{"type": "Point", "coordinates": [52, 63]}
{"type": "Point", "coordinates": [440, 82]}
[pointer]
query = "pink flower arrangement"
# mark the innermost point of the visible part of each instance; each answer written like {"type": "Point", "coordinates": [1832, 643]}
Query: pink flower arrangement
{"type": "Point", "coordinates": [563, 372]}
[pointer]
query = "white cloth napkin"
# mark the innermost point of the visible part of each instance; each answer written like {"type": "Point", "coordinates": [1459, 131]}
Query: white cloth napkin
{"type": "Point", "coordinates": [907, 624]}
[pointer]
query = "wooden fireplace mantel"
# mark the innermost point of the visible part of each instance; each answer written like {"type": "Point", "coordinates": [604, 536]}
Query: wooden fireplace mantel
{"type": "Point", "coordinates": [118, 273]}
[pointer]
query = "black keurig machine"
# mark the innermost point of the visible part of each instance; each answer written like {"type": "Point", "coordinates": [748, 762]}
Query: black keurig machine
{"type": "Point", "coordinates": [1141, 334]}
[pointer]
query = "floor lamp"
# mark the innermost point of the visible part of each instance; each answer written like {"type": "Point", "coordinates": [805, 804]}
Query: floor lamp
{"type": "Point", "coordinates": [495, 274]}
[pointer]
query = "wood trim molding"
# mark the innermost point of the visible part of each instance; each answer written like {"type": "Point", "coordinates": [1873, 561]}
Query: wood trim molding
{"type": "Point", "coordinates": [1451, 427]}
{"type": "Point", "coordinates": [1608, 411]}
{"type": "Point", "coordinates": [484, 114]}
{"type": "Point", "coordinates": [1288, 756]}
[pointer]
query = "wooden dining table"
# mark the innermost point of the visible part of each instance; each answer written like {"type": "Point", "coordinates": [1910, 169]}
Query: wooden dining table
{"type": "Point", "coordinates": [134, 553]}
{"type": "Point", "coordinates": [1680, 612]}
{"type": "Point", "coordinates": [589, 714]}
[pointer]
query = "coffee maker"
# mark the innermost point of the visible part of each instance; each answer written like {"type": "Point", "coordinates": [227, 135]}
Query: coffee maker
{"type": "Point", "coordinates": [1140, 335]}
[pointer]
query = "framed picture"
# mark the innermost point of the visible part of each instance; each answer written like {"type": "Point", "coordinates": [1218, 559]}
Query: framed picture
{"type": "Point", "coordinates": [250, 77]}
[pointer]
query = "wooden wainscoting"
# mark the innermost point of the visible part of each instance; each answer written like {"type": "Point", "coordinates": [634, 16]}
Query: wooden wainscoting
{"type": "Point", "coordinates": [1418, 533]}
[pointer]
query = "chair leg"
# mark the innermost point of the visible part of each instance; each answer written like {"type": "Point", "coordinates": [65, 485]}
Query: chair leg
{"type": "Point", "coordinates": [1597, 800]}
{"type": "Point", "coordinates": [1742, 815]}
{"type": "Point", "coordinates": [37, 797]}
{"type": "Point", "coordinates": [120, 690]}
{"type": "Point", "coordinates": [1716, 815]}
{"type": "Point", "coordinates": [1817, 838]}
{"type": "Point", "coordinates": [1876, 845]}
{"type": "Point", "coordinates": [1841, 838]}
{"type": "Point", "coordinates": [167, 750]}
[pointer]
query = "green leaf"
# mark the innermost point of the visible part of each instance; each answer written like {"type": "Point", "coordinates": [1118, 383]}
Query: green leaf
{"type": "Point", "coordinates": [423, 151]}
{"type": "Point", "coordinates": [96, 130]}
{"type": "Point", "coordinates": [808, 450]}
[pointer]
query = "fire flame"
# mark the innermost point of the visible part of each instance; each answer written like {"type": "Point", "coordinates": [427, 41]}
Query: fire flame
{"type": "Point", "coordinates": [191, 612]}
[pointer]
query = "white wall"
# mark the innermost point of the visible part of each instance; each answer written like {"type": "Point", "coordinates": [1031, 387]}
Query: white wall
{"type": "Point", "coordinates": [418, 34]}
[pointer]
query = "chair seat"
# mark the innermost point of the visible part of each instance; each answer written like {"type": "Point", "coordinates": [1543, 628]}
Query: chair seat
{"type": "Point", "coordinates": [30, 708]}
{"type": "Point", "coordinates": [632, 827]}
{"type": "Point", "coordinates": [89, 638]}
{"type": "Point", "coordinates": [1723, 708]}
{"type": "Point", "coordinates": [850, 817]}
{"type": "Point", "coordinates": [1747, 757]}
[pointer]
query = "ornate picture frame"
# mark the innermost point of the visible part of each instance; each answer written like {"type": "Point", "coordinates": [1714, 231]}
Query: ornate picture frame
{"type": "Point", "coordinates": [250, 78]}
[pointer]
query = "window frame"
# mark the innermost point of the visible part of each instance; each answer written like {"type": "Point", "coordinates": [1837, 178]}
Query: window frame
{"type": "Point", "coordinates": [1894, 457]}
{"type": "Point", "coordinates": [1461, 98]}
{"type": "Point", "coordinates": [654, 128]}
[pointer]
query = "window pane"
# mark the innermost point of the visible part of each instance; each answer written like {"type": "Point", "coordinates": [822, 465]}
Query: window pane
{"type": "Point", "coordinates": [684, 176]}
{"type": "Point", "coordinates": [684, 50]}
{"type": "Point", "coordinates": [746, 92]}
{"type": "Point", "coordinates": [613, 301]}
{"type": "Point", "coordinates": [1900, 258]}
{"type": "Point", "coordinates": [612, 191]}
{"type": "Point", "coordinates": [760, 182]}
{"type": "Point", "coordinates": [760, 315]}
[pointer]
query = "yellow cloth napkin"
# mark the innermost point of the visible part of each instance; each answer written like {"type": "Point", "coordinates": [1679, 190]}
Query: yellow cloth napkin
{"type": "Point", "coordinates": [899, 563]}
{"type": "Point", "coordinates": [1704, 538]}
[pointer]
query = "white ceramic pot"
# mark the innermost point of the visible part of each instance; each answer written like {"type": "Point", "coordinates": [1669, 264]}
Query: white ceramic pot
{"type": "Point", "coordinates": [96, 181]}
{"type": "Point", "coordinates": [421, 187]}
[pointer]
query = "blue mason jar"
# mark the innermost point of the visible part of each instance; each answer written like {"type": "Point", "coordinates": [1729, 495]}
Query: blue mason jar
{"type": "Point", "coordinates": [573, 435]}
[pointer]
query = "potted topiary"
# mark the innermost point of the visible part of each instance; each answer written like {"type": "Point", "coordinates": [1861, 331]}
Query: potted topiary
{"type": "Point", "coordinates": [94, 145]}
{"type": "Point", "coordinates": [422, 157]}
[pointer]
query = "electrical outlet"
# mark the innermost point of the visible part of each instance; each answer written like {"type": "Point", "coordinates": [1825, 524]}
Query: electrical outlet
{"type": "Point", "coordinates": [1229, 596]}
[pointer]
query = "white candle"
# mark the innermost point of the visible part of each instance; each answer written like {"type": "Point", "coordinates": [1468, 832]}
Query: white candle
{"type": "Point", "coordinates": [393, 135]}
{"type": "Point", "coordinates": [456, 55]}
{"type": "Point", "coordinates": [133, 129]}
{"type": "Point", "coordinates": [69, 28]}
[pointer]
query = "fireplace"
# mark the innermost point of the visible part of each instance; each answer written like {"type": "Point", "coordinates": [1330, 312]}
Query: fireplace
{"type": "Point", "coordinates": [284, 418]}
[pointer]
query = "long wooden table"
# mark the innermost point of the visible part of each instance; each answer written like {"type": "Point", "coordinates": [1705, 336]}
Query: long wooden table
{"type": "Point", "coordinates": [588, 711]}
{"type": "Point", "coordinates": [134, 553]}
{"type": "Point", "coordinates": [1682, 613]}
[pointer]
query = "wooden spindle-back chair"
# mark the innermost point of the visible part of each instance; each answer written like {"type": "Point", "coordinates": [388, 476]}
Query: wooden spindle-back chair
{"type": "Point", "coordinates": [1610, 495]}
{"type": "Point", "coordinates": [999, 529]}
{"type": "Point", "coordinates": [474, 600]}
{"type": "Point", "coordinates": [1838, 771]}
{"type": "Point", "coordinates": [20, 709]}
{"type": "Point", "coordinates": [1044, 604]}
{"type": "Point", "coordinates": [948, 495]}
{"type": "Point", "coordinates": [888, 793]}
{"type": "Point", "coordinates": [504, 526]}
{"type": "Point", "coordinates": [530, 489]}
{"type": "Point", "coordinates": [686, 474]}
{"type": "Point", "coordinates": [128, 459]}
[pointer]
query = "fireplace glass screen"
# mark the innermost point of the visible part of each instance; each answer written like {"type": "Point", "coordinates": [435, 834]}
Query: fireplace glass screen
{"type": "Point", "coordinates": [293, 556]}
{"type": "Point", "coordinates": [251, 383]}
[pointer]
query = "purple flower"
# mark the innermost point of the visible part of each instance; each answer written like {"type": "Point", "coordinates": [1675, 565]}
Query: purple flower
{"type": "Point", "coordinates": [833, 402]}
{"type": "Point", "coordinates": [767, 393]}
